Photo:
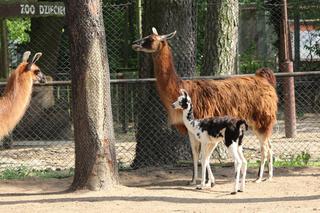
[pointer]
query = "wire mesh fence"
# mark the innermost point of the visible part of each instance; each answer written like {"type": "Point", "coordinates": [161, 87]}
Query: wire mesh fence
{"type": "Point", "coordinates": [46, 140]}
{"type": "Point", "coordinates": [44, 137]}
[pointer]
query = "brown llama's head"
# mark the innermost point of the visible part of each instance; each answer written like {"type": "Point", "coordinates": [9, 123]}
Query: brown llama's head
{"type": "Point", "coordinates": [152, 43]}
{"type": "Point", "coordinates": [30, 69]}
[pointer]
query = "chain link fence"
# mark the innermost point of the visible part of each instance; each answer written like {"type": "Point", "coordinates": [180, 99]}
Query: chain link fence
{"type": "Point", "coordinates": [44, 137]}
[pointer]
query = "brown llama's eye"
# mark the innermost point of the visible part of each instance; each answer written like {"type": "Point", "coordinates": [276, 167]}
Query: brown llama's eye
{"type": "Point", "coordinates": [36, 72]}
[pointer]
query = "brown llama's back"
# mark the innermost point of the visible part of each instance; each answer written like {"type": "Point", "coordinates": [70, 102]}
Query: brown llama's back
{"type": "Point", "coordinates": [251, 98]}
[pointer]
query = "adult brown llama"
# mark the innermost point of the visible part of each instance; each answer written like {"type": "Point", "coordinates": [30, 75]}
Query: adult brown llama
{"type": "Point", "coordinates": [17, 93]}
{"type": "Point", "coordinates": [251, 98]}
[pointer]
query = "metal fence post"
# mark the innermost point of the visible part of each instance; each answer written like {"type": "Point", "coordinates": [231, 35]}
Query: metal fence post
{"type": "Point", "coordinates": [287, 66]}
{"type": "Point", "coordinates": [289, 101]}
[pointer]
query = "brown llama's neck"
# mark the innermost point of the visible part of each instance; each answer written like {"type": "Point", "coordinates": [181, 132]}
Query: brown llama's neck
{"type": "Point", "coordinates": [168, 82]}
{"type": "Point", "coordinates": [15, 100]}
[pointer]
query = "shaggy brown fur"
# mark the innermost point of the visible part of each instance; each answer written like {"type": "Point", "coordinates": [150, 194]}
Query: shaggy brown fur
{"type": "Point", "coordinates": [253, 99]}
{"type": "Point", "coordinates": [17, 94]}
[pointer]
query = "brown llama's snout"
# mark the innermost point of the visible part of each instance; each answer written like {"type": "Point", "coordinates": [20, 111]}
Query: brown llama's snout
{"type": "Point", "coordinates": [41, 78]}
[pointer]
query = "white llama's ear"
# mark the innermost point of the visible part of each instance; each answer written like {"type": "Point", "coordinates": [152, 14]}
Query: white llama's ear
{"type": "Point", "coordinates": [154, 30]}
{"type": "Point", "coordinates": [36, 57]}
{"type": "Point", "coordinates": [26, 56]}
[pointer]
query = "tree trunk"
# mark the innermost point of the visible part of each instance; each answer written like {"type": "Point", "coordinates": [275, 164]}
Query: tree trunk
{"type": "Point", "coordinates": [221, 38]}
{"type": "Point", "coordinates": [157, 143]}
{"type": "Point", "coordinates": [95, 166]}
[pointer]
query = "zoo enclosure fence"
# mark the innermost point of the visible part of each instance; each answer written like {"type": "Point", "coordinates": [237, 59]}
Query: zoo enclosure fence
{"type": "Point", "coordinates": [46, 140]}
{"type": "Point", "coordinates": [44, 137]}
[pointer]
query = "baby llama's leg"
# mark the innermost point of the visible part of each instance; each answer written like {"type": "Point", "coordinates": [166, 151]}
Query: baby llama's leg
{"type": "Point", "coordinates": [210, 148]}
{"type": "Point", "coordinates": [195, 148]}
{"type": "Point", "coordinates": [237, 165]}
{"type": "Point", "coordinates": [203, 165]}
{"type": "Point", "coordinates": [243, 168]}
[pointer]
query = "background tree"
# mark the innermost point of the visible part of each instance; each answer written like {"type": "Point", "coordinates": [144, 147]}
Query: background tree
{"type": "Point", "coordinates": [157, 143]}
{"type": "Point", "coordinates": [221, 37]}
{"type": "Point", "coordinates": [95, 166]}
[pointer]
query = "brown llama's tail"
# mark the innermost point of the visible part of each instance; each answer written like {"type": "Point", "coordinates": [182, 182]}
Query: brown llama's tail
{"type": "Point", "coordinates": [268, 74]}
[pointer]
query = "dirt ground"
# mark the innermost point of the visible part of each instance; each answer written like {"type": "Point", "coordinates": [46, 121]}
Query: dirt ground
{"type": "Point", "coordinates": [159, 190]}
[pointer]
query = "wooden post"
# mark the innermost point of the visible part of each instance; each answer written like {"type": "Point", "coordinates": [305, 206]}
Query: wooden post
{"type": "Point", "coordinates": [139, 24]}
{"type": "Point", "coordinates": [4, 57]}
{"type": "Point", "coordinates": [287, 66]}
{"type": "Point", "coordinates": [126, 38]}
{"type": "Point", "coordinates": [123, 104]}
{"type": "Point", "coordinates": [297, 39]}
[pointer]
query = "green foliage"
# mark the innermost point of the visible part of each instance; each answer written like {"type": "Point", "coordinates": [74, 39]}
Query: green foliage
{"type": "Point", "coordinates": [23, 172]}
{"type": "Point", "coordinates": [18, 30]}
{"type": "Point", "coordinates": [15, 173]}
{"type": "Point", "coordinates": [300, 160]}
{"type": "Point", "coordinates": [248, 61]}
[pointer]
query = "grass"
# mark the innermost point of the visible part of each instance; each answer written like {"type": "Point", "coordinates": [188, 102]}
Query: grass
{"type": "Point", "coordinates": [300, 160]}
{"type": "Point", "coordinates": [22, 172]}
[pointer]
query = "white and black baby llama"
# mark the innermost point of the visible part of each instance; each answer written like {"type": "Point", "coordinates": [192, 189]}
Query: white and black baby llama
{"type": "Point", "coordinates": [210, 132]}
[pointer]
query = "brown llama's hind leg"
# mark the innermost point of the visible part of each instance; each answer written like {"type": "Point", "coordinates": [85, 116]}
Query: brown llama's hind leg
{"type": "Point", "coordinates": [270, 160]}
{"type": "Point", "coordinates": [266, 154]}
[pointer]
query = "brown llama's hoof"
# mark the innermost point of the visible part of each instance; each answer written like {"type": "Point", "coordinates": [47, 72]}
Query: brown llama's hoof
{"type": "Point", "coordinates": [240, 190]}
{"type": "Point", "coordinates": [233, 193]}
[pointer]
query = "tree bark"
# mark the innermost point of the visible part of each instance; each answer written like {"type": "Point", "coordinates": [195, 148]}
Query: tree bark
{"type": "Point", "coordinates": [221, 38]}
{"type": "Point", "coordinates": [157, 143]}
{"type": "Point", "coordinates": [95, 166]}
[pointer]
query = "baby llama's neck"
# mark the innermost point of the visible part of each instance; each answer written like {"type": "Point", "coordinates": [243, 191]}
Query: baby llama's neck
{"type": "Point", "coordinates": [188, 118]}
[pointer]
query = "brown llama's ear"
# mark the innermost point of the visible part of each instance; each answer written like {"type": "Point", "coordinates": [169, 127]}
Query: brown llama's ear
{"type": "Point", "coordinates": [34, 60]}
{"type": "Point", "coordinates": [26, 56]}
{"type": "Point", "coordinates": [154, 30]}
{"type": "Point", "coordinates": [36, 57]}
{"type": "Point", "coordinates": [168, 36]}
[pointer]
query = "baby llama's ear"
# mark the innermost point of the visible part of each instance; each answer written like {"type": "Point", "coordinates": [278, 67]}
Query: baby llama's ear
{"type": "Point", "coordinates": [184, 92]}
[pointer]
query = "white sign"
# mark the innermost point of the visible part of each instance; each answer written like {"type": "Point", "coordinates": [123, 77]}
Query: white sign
{"type": "Point", "coordinates": [42, 9]}
{"type": "Point", "coordinates": [51, 10]}
{"type": "Point", "coordinates": [27, 9]}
